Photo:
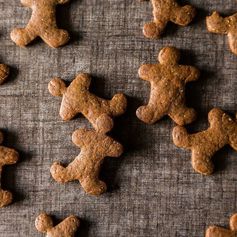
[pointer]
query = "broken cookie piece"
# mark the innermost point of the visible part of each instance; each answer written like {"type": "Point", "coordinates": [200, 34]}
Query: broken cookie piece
{"type": "Point", "coordinates": [165, 11]}
{"type": "Point", "coordinates": [42, 24]}
{"type": "Point", "coordinates": [8, 156]}
{"type": "Point", "coordinates": [225, 26]}
{"type": "Point", "coordinates": [67, 228]}
{"type": "Point", "coordinates": [215, 231]}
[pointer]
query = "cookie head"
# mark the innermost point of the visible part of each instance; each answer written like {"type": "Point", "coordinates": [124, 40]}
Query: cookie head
{"type": "Point", "coordinates": [57, 87]}
{"type": "Point", "coordinates": [169, 56]}
{"type": "Point", "coordinates": [104, 124]}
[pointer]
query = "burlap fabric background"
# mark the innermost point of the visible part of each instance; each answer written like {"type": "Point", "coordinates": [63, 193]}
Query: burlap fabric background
{"type": "Point", "coordinates": [153, 190]}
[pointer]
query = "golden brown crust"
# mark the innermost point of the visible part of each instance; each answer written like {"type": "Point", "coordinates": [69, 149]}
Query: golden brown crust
{"type": "Point", "coordinates": [4, 73]}
{"type": "Point", "coordinates": [165, 11]}
{"type": "Point", "coordinates": [222, 131]}
{"type": "Point", "coordinates": [42, 24]}
{"type": "Point", "coordinates": [95, 146]}
{"type": "Point", "coordinates": [77, 99]}
{"type": "Point", "coordinates": [224, 25]}
{"type": "Point", "coordinates": [8, 156]}
{"type": "Point", "coordinates": [67, 228]}
{"type": "Point", "coordinates": [167, 96]}
{"type": "Point", "coordinates": [215, 231]}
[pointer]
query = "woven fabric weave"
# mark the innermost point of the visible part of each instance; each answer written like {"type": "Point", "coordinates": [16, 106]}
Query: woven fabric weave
{"type": "Point", "coordinates": [153, 190]}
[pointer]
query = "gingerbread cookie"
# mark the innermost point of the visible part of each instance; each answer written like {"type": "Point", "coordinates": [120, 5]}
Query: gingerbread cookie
{"type": "Point", "coordinates": [8, 156]}
{"type": "Point", "coordinates": [95, 146]}
{"type": "Point", "coordinates": [77, 99]}
{"type": "Point", "coordinates": [224, 25]}
{"type": "Point", "coordinates": [165, 11]}
{"type": "Point", "coordinates": [42, 24]}
{"type": "Point", "coordinates": [222, 131]}
{"type": "Point", "coordinates": [4, 73]}
{"type": "Point", "coordinates": [215, 231]}
{"type": "Point", "coordinates": [167, 96]}
{"type": "Point", "coordinates": [67, 228]}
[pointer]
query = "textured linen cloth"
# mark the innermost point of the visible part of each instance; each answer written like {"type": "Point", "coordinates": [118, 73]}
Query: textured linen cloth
{"type": "Point", "coordinates": [153, 190]}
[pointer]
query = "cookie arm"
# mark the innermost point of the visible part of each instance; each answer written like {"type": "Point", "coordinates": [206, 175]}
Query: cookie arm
{"type": "Point", "coordinates": [190, 73]}
{"type": "Point", "coordinates": [83, 79]}
{"type": "Point", "coordinates": [115, 149]}
{"type": "Point", "coordinates": [144, 72]}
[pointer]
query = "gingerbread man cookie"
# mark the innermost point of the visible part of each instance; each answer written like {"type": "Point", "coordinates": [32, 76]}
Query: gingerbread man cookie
{"type": "Point", "coordinates": [167, 96]}
{"type": "Point", "coordinates": [215, 231]}
{"type": "Point", "coordinates": [222, 131]}
{"type": "Point", "coordinates": [165, 11]}
{"type": "Point", "coordinates": [95, 146]}
{"type": "Point", "coordinates": [4, 73]}
{"type": "Point", "coordinates": [8, 156]}
{"type": "Point", "coordinates": [42, 24]}
{"type": "Point", "coordinates": [67, 228]}
{"type": "Point", "coordinates": [224, 25]}
{"type": "Point", "coordinates": [77, 99]}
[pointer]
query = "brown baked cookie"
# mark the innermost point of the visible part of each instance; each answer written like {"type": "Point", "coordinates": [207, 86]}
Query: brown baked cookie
{"type": "Point", "coordinates": [167, 96]}
{"type": "Point", "coordinates": [67, 228]}
{"type": "Point", "coordinates": [42, 24]}
{"type": "Point", "coordinates": [224, 25]}
{"type": "Point", "coordinates": [165, 11]}
{"type": "Point", "coordinates": [222, 131]}
{"type": "Point", "coordinates": [8, 156]}
{"type": "Point", "coordinates": [95, 146]}
{"type": "Point", "coordinates": [214, 231]}
{"type": "Point", "coordinates": [77, 99]}
{"type": "Point", "coordinates": [4, 73]}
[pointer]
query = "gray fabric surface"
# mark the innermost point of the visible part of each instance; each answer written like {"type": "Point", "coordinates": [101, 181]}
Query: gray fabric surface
{"type": "Point", "coordinates": [153, 190]}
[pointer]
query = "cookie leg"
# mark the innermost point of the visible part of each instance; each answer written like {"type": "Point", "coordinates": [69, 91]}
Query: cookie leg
{"type": "Point", "coordinates": [56, 37]}
{"type": "Point", "coordinates": [183, 15]}
{"type": "Point", "coordinates": [22, 36]}
{"type": "Point", "coordinates": [5, 198]}
{"type": "Point", "coordinates": [202, 163]}
{"type": "Point", "coordinates": [62, 174]}
{"type": "Point", "coordinates": [182, 115]}
{"type": "Point", "coordinates": [181, 138]}
{"type": "Point", "coordinates": [103, 123]}
{"type": "Point", "coordinates": [154, 29]}
{"type": "Point", "coordinates": [233, 42]}
{"type": "Point", "coordinates": [118, 104]}
{"type": "Point", "coordinates": [148, 114]}
{"type": "Point", "coordinates": [92, 185]}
